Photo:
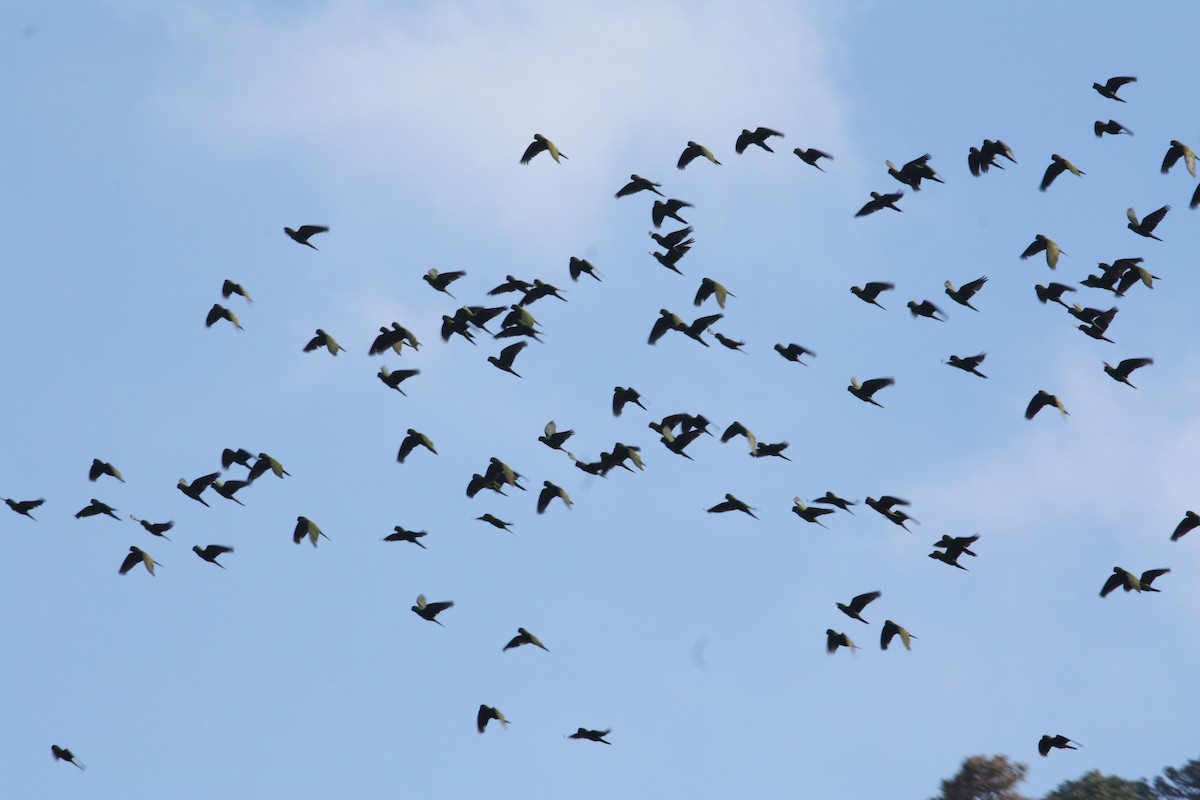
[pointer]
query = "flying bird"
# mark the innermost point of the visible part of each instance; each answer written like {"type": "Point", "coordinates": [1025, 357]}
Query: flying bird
{"type": "Point", "coordinates": [912, 173]}
{"type": "Point", "coordinates": [890, 630]}
{"type": "Point", "coordinates": [138, 556]}
{"type": "Point", "coordinates": [870, 292]}
{"type": "Point", "coordinates": [866, 390]}
{"type": "Point", "coordinates": [548, 493]}
{"type": "Point", "coordinates": [1130, 582]}
{"type": "Point", "coordinates": [1109, 90]}
{"type": "Point", "coordinates": [1040, 244]}
{"type": "Point", "coordinates": [264, 464]}
{"type": "Point", "coordinates": [306, 527]}
{"type": "Point", "coordinates": [96, 507]}
{"type": "Point", "coordinates": [241, 457]}
{"type": "Point", "coordinates": [211, 552]}
{"type": "Point", "coordinates": [429, 611]}
{"type": "Point", "coordinates": [229, 288]}
{"type": "Point", "coordinates": [885, 505]}
{"type": "Point", "coordinates": [758, 136]}
{"type": "Point", "coordinates": [99, 468]}
{"type": "Point", "coordinates": [947, 557]}
{"type": "Point", "coordinates": [197, 487]}
{"type": "Point", "coordinates": [738, 429]}
{"type": "Point", "coordinates": [304, 232]}
{"type": "Point", "coordinates": [732, 344]}
{"type": "Point", "coordinates": [524, 637]}
{"type": "Point", "coordinates": [539, 144]}
{"type": "Point", "coordinates": [831, 499]}
{"type": "Point", "coordinates": [1111, 127]}
{"type": "Point", "coordinates": [793, 352]}
{"type": "Point", "coordinates": [694, 151]}
{"type": "Point", "coordinates": [857, 604]}
{"type": "Point", "coordinates": [623, 395]}
{"type": "Point", "coordinates": [1053, 292]}
{"type": "Point", "coordinates": [411, 442]}
{"type": "Point", "coordinates": [591, 735]}
{"type": "Point", "coordinates": [879, 202]}
{"type": "Point", "coordinates": [639, 184]}
{"type": "Point", "coordinates": [668, 208]}
{"type": "Point", "coordinates": [23, 507]}
{"type": "Point", "coordinates": [811, 156]}
{"type": "Point", "coordinates": [710, 288]}
{"type": "Point", "coordinates": [957, 545]}
{"type": "Point", "coordinates": [553, 438]}
{"type": "Point", "coordinates": [963, 294]}
{"type": "Point", "coordinates": [1048, 742]}
{"type": "Point", "coordinates": [1176, 151]}
{"type": "Point", "coordinates": [441, 280]}
{"type": "Point", "coordinates": [1148, 224]}
{"type": "Point", "coordinates": [731, 503]}
{"type": "Point", "coordinates": [809, 513]}
{"type": "Point", "coordinates": [495, 522]}
{"type": "Point", "coordinates": [63, 754]}
{"type": "Point", "coordinates": [228, 489]}
{"type": "Point", "coordinates": [506, 358]}
{"type": "Point", "coordinates": [1040, 401]}
{"type": "Point", "coordinates": [968, 364]}
{"type": "Point", "coordinates": [393, 379]}
{"type": "Point", "coordinates": [581, 266]}
{"type": "Point", "coordinates": [1122, 371]}
{"type": "Point", "coordinates": [323, 339]}
{"type": "Point", "coordinates": [486, 714]}
{"type": "Point", "coordinates": [925, 308]}
{"type": "Point", "coordinates": [1190, 521]}
{"type": "Point", "coordinates": [219, 312]}
{"type": "Point", "coordinates": [1058, 165]}
{"type": "Point", "coordinates": [834, 640]}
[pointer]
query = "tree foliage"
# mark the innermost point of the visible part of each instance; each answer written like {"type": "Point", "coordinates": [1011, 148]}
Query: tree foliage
{"type": "Point", "coordinates": [1179, 784]}
{"type": "Point", "coordinates": [1096, 786]}
{"type": "Point", "coordinates": [985, 778]}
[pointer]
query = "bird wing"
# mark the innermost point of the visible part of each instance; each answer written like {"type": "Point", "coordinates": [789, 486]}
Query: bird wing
{"type": "Point", "coordinates": [875, 384]}
{"type": "Point", "coordinates": [1151, 220]}
{"type": "Point", "coordinates": [968, 290]}
{"type": "Point", "coordinates": [1130, 364]}
{"type": "Point", "coordinates": [509, 354]}
{"type": "Point", "coordinates": [131, 561]}
{"type": "Point", "coordinates": [1149, 575]}
{"type": "Point", "coordinates": [860, 602]}
{"type": "Point", "coordinates": [534, 148]}
{"type": "Point", "coordinates": [305, 231]}
{"type": "Point", "coordinates": [1114, 580]}
{"type": "Point", "coordinates": [204, 481]}
{"type": "Point", "coordinates": [1053, 171]}
{"type": "Point", "coordinates": [701, 324]}
{"type": "Point", "coordinates": [1189, 523]}
{"type": "Point", "coordinates": [1039, 401]}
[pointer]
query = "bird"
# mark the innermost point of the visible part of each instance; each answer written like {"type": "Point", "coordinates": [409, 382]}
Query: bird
{"type": "Point", "coordinates": [304, 232]}
{"type": "Point", "coordinates": [1122, 370]}
{"type": "Point", "coordinates": [732, 344]}
{"type": "Point", "coordinates": [1109, 90]}
{"type": "Point", "coordinates": [306, 527]}
{"type": "Point", "coordinates": [441, 280]}
{"type": "Point", "coordinates": [668, 208]}
{"type": "Point", "coordinates": [623, 395]}
{"type": "Point", "coordinates": [890, 630]}
{"type": "Point", "coordinates": [1195, 201]}
{"type": "Point", "coordinates": [524, 637]}
{"type": "Point", "coordinates": [511, 284]}
{"type": "Point", "coordinates": [63, 754]}
{"type": "Point", "coordinates": [670, 258]}
{"type": "Point", "coordinates": [968, 364]}
{"type": "Point", "coordinates": [1058, 165]}
{"type": "Point", "coordinates": [1176, 151]}
{"type": "Point", "coordinates": [793, 352]}
{"type": "Point", "coordinates": [581, 266]}
{"type": "Point", "coordinates": [758, 136]}
{"type": "Point", "coordinates": [548, 493]}
{"type": "Point", "coordinates": [880, 201]}
{"type": "Point", "coordinates": [539, 144]}
{"type": "Point", "coordinates": [228, 489]}
{"type": "Point", "coordinates": [871, 291]}
{"type": "Point", "coordinates": [857, 604]}
{"type": "Point", "coordinates": [138, 556]}
{"type": "Point", "coordinates": [23, 507]}
{"type": "Point", "coordinates": [834, 640]}
{"type": "Point", "coordinates": [866, 390]}
{"type": "Point", "coordinates": [925, 308]}
{"type": "Point", "coordinates": [981, 159]}
{"type": "Point", "coordinates": [912, 173]}
{"type": "Point", "coordinates": [429, 611]}
{"type": "Point", "coordinates": [1053, 292]}
{"type": "Point", "coordinates": [731, 503]}
{"type": "Point", "coordinates": [500, 473]}
{"type": "Point", "coordinates": [393, 379]}
{"type": "Point", "coordinates": [957, 545]}
{"type": "Point", "coordinates": [486, 714]}
{"type": "Point", "coordinates": [1040, 401]}
{"type": "Point", "coordinates": [1190, 521]}
{"type": "Point", "coordinates": [831, 499]}
{"type": "Point", "coordinates": [766, 450]}
{"type": "Point", "coordinates": [885, 506]}
{"type": "Point", "coordinates": [1048, 742]}
{"type": "Point", "coordinates": [411, 442]}
{"type": "Point", "coordinates": [675, 240]}
{"type": "Point", "coordinates": [694, 151]}
{"type": "Point", "coordinates": [495, 522]}
{"type": "Point", "coordinates": [1149, 222]}
{"type": "Point", "coordinates": [963, 294]}
{"type": "Point", "coordinates": [1111, 127]}
{"type": "Point", "coordinates": [96, 507]}
{"type": "Point", "coordinates": [103, 468]}
{"type": "Point", "coordinates": [947, 557]}
{"type": "Point", "coordinates": [323, 339]}
{"type": "Point", "coordinates": [1128, 581]}
{"type": "Point", "coordinates": [811, 156]}
{"type": "Point", "coordinates": [1042, 243]}
{"type": "Point", "coordinates": [553, 438]}
{"type": "Point", "coordinates": [539, 290]}
{"type": "Point", "coordinates": [507, 356]}
{"type": "Point", "coordinates": [677, 443]}
{"type": "Point", "coordinates": [809, 513]}
{"type": "Point", "coordinates": [210, 553]}
{"type": "Point", "coordinates": [638, 184]}
{"type": "Point", "coordinates": [197, 487]}
{"type": "Point", "coordinates": [264, 464]}
{"type": "Point", "coordinates": [229, 288]}
{"type": "Point", "coordinates": [219, 312]}
{"type": "Point", "coordinates": [710, 288]}
{"type": "Point", "coordinates": [738, 429]}
{"type": "Point", "coordinates": [1147, 577]}
{"type": "Point", "coordinates": [400, 534]}
{"type": "Point", "coordinates": [591, 735]}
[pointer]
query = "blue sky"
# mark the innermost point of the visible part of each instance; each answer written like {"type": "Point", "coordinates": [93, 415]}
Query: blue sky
{"type": "Point", "coordinates": [154, 150]}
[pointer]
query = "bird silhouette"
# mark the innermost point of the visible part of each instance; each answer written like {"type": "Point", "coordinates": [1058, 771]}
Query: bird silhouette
{"type": "Point", "coordinates": [548, 493]}
{"type": "Point", "coordinates": [411, 442]}
{"type": "Point", "coordinates": [103, 468]}
{"type": "Point", "coordinates": [63, 754]}
{"type": "Point", "coordinates": [694, 151]}
{"type": "Point", "coordinates": [400, 534]}
{"type": "Point", "coordinates": [306, 527]}
{"type": "Point", "coordinates": [963, 294]}
{"type": "Point", "coordinates": [23, 507]}
{"type": "Point", "coordinates": [210, 553]}
{"type": "Point", "coordinates": [639, 184]}
{"type": "Point", "coordinates": [1112, 127]}
{"type": "Point", "coordinates": [1048, 742]}
{"type": "Point", "coordinates": [793, 352]}
{"type": "Point", "coordinates": [1190, 521]}
{"type": "Point", "coordinates": [429, 611]}
{"type": "Point", "coordinates": [878, 202]}
{"type": "Point", "coordinates": [731, 503]}
{"type": "Point", "coordinates": [581, 266]}
{"type": "Point", "coordinates": [834, 640]}
{"type": "Point", "coordinates": [486, 714]}
{"type": "Point", "coordinates": [857, 604]}
{"type": "Point", "coordinates": [891, 630]}
{"type": "Point", "coordinates": [591, 735]}
{"type": "Point", "coordinates": [710, 288]}
{"type": "Point", "coordinates": [95, 507]}
{"type": "Point", "coordinates": [302, 234]}
{"type": "Point", "coordinates": [507, 356]}
{"type": "Point", "coordinates": [668, 208]}
{"type": "Point", "coordinates": [809, 513]}
{"type": "Point", "coordinates": [871, 291]}
{"type": "Point", "coordinates": [1040, 244]}
{"type": "Point", "coordinates": [441, 280]}
{"type": "Point", "coordinates": [263, 464]}
{"type": "Point", "coordinates": [1148, 223]}
{"type": "Point", "coordinates": [138, 556]}
{"type": "Point", "coordinates": [1109, 89]}
{"type": "Point", "coordinates": [758, 136]}
{"type": "Point", "coordinates": [811, 156]}
{"type": "Point", "coordinates": [1040, 401]}
{"type": "Point", "coordinates": [1058, 165]}
{"type": "Point", "coordinates": [912, 173]}
{"type": "Point", "coordinates": [541, 143]}
{"type": "Point", "coordinates": [829, 498]}
{"type": "Point", "coordinates": [495, 522]}
{"type": "Point", "coordinates": [1122, 370]}
{"type": "Point", "coordinates": [197, 487]}
{"type": "Point", "coordinates": [323, 339]}
{"type": "Point", "coordinates": [925, 308]}
{"type": "Point", "coordinates": [968, 364]}
{"type": "Point", "coordinates": [524, 637]}
{"type": "Point", "coordinates": [229, 289]}
{"type": "Point", "coordinates": [866, 390]}
{"type": "Point", "coordinates": [1176, 151]}
{"type": "Point", "coordinates": [219, 312]}
{"type": "Point", "coordinates": [623, 395]}
{"type": "Point", "coordinates": [393, 379]}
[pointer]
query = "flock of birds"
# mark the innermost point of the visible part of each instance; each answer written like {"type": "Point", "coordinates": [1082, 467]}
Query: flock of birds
{"type": "Point", "coordinates": [680, 430]}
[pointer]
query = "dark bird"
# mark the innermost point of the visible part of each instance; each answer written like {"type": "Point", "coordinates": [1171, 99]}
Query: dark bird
{"type": "Point", "coordinates": [811, 156]}
{"type": "Point", "coordinates": [834, 640]}
{"type": "Point", "coordinates": [639, 184]}
{"type": "Point", "coordinates": [429, 611]}
{"type": "Point", "coordinates": [880, 201]}
{"type": "Point", "coordinates": [400, 534]}
{"type": "Point", "coordinates": [459, 323]}
{"type": "Point", "coordinates": [957, 545]}
{"type": "Point", "coordinates": [306, 527]}
{"type": "Point", "coordinates": [264, 464]}
{"type": "Point", "coordinates": [1111, 127]}
{"type": "Point", "coordinates": [1176, 151]}
{"type": "Point", "coordinates": [211, 552]}
{"type": "Point", "coordinates": [885, 506]}
{"type": "Point", "coordinates": [486, 714]}
{"type": "Point", "coordinates": [1053, 292]}
{"type": "Point", "coordinates": [1109, 90]}
{"type": "Point", "coordinates": [23, 507]}
{"type": "Point", "coordinates": [857, 604]}
{"type": "Point", "coordinates": [947, 557]}
{"type": "Point", "coordinates": [1148, 224]}
{"type": "Point", "coordinates": [670, 258]}
{"type": "Point", "coordinates": [1190, 521]}
{"type": "Point", "coordinates": [553, 438]}
{"type": "Point", "coordinates": [1042, 243]}
{"type": "Point", "coordinates": [581, 266]}
{"type": "Point", "coordinates": [968, 364]}
{"type": "Point", "coordinates": [548, 493]}
{"type": "Point", "coordinates": [809, 513]}
{"type": "Point", "coordinates": [524, 637]}
{"type": "Point", "coordinates": [1058, 165]}
{"type": "Point", "coordinates": [675, 240]}
{"type": "Point", "coordinates": [677, 443]}
{"type": "Point", "coordinates": [925, 308]}
{"type": "Point", "coordinates": [480, 482]}
{"type": "Point", "coordinates": [411, 442]}
{"type": "Point", "coordinates": [506, 358]}
{"type": "Point", "coordinates": [103, 468]}
{"type": "Point", "coordinates": [1094, 331]}
{"type": "Point", "coordinates": [539, 144]}
{"type": "Point", "coordinates": [511, 284]}
{"type": "Point", "coordinates": [831, 499]}
{"type": "Point", "coordinates": [1131, 276]}
{"type": "Point", "coordinates": [228, 489]}
{"type": "Point", "coordinates": [441, 280]}
{"type": "Point", "coordinates": [197, 487]}
{"type": "Point", "coordinates": [539, 290]}
{"type": "Point", "coordinates": [710, 288]}
{"type": "Point", "coordinates": [991, 149]}
{"type": "Point", "coordinates": [1125, 580]}
{"type": "Point", "coordinates": [96, 507]}
{"type": "Point", "coordinates": [765, 450]}
{"type": "Point", "coordinates": [500, 473]}
{"type": "Point", "coordinates": [758, 136]}
{"type": "Point", "coordinates": [303, 234]}
{"type": "Point", "coordinates": [668, 208]}
{"type": "Point", "coordinates": [980, 160]}
{"type": "Point", "coordinates": [731, 503]}
{"type": "Point", "coordinates": [963, 295]}
{"type": "Point", "coordinates": [623, 395]}
{"type": "Point", "coordinates": [1040, 401]}
{"type": "Point", "coordinates": [866, 390]}
{"type": "Point", "coordinates": [1195, 201]}
{"type": "Point", "coordinates": [732, 344]}
{"type": "Point", "coordinates": [229, 288]}
{"type": "Point", "coordinates": [1048, 742]}
{"type": "Point", "coordinates": [495, 522]}
{"type": "Point", "coordinates": [219, 312]}
{"type": "Point", "coordinates": [912, 173]}
{"type": "Point", "coordinates": [393, 379]}
{"type": "Point", "coordinates": [1122, 371]}
{"type": "Point", "coordinates": [63, 754]}
{"type": "Point", "coordinates": [871, 291]}
{"type": "Point", "coordinates": [694, 151]}
{"type": "Point", "coordinates": [794, 352]}
{"type": "Point", "coordinates": [1148, 577]}
{"type": "Point", "coordinates": [590, 735]}
{"type": "Point", "coordinates": [323, 339]}
{"type": "Point", "coordinates": [138, 556]}
{"type": "Point", "coordinates": [890, 630]}
{"type": "Point", "coordinates": [738, 429]}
